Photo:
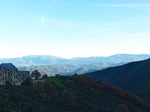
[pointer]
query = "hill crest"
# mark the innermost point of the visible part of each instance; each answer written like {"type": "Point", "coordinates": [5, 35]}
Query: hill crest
{"type": "Point", "coordinates": [126, 76]}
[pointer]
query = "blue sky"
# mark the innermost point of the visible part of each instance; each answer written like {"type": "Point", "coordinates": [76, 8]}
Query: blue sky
{"type": "Point", "coordinates": [74, 28]}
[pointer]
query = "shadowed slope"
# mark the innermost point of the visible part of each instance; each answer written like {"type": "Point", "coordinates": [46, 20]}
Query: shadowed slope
{"type": "Point", "coordinates": [126, 76]}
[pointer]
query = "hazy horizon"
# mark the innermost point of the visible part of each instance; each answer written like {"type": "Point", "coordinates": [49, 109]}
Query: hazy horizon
{"type": "Point", "coordinates": [72, 57]}
{"type": "Point", "coordinates": [77, 28]}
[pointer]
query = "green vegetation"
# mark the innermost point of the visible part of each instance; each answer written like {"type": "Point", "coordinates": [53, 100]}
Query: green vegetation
{"type": "Point", "coordinates": [57, 80]}
{"type": "Point", "coordinates": [68, 94]}
{"type": "Point", "coordinates": [143, 91]}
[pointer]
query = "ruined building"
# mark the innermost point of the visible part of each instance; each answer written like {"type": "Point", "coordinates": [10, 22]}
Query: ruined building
{"type": "Point", "coordinates": [8, 72]}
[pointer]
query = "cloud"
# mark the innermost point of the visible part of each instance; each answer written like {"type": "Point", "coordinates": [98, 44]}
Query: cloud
{"type": "Point", "coordinates": [123, 5]}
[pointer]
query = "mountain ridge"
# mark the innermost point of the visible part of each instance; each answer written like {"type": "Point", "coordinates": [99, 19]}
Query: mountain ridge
{"type": "Point", "coordinates": [126, 76]}
{"type": "Point", "coordinates": [43, 62]}
{"type": "Point", "coordinates": [39, 60]}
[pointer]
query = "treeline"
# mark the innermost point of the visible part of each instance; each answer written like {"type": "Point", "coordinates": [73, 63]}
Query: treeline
{"type": "Point", "coordinates": [125, 95]}
{"type": "Point", "coordinates": [68, 94]}
{"type": "Point", "coordinates": [112, 89]}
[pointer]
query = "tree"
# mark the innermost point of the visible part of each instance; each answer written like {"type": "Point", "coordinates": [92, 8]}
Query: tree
{"type": "Point", "coordinates": [36, 74]}
{"type": "Point", "coordinates": [122, 108]}
{"type": "Point", "coordinates": [28, 81]}
{"type": "Point", "coordinates": [69, 83]}
{"type": "Point", "coordinates": [45, 76]}
{"type": "Point", "coordinates": [51, 88]}
{"type": "Point", "coordinates": [39, 87]}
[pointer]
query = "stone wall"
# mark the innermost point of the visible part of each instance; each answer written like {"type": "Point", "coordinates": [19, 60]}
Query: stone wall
{"type": "Point", "coordinates": [15, 77]}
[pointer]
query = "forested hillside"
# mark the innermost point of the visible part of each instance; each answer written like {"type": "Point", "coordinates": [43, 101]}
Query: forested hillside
{"type": "Point", "coordinates": [68, 94]}
{"type": "Point", "coordinates": [128, 76]}
{"type": "Point", "coordinates": [143, 91]}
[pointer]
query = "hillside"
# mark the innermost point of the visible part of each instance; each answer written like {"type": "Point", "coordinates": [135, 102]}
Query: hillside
{"type": "Point", "coordinates": [52, 70]}
{"type": "Point", "coordinates": [80, 71]}
{"type": "Point", "coordinates": [127, 76]}
{"type": "Point", "coordinates": [68, 94]}
{"type": "Point", "coordinates": [143, 91]}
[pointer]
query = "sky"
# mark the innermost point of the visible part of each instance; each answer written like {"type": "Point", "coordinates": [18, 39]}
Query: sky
{"type": "Point", "coordinates": [74, 28]}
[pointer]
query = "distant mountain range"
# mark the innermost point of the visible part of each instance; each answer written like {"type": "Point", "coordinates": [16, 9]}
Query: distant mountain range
{"type": "Point", "coordinates": [53, 65]}
{"type": "Point", "coordinates": [118, 58]}
{"type": "Point", "coordinates": [49, 70]}
{"type": "Point", "coordinates": [82, 70]}
{"type": "Point", "coordinates": [34, 60]}
{"type": "Point", "coordinates": [40, 60]}
{"type": "Point", "coordinates": [52, 70]}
